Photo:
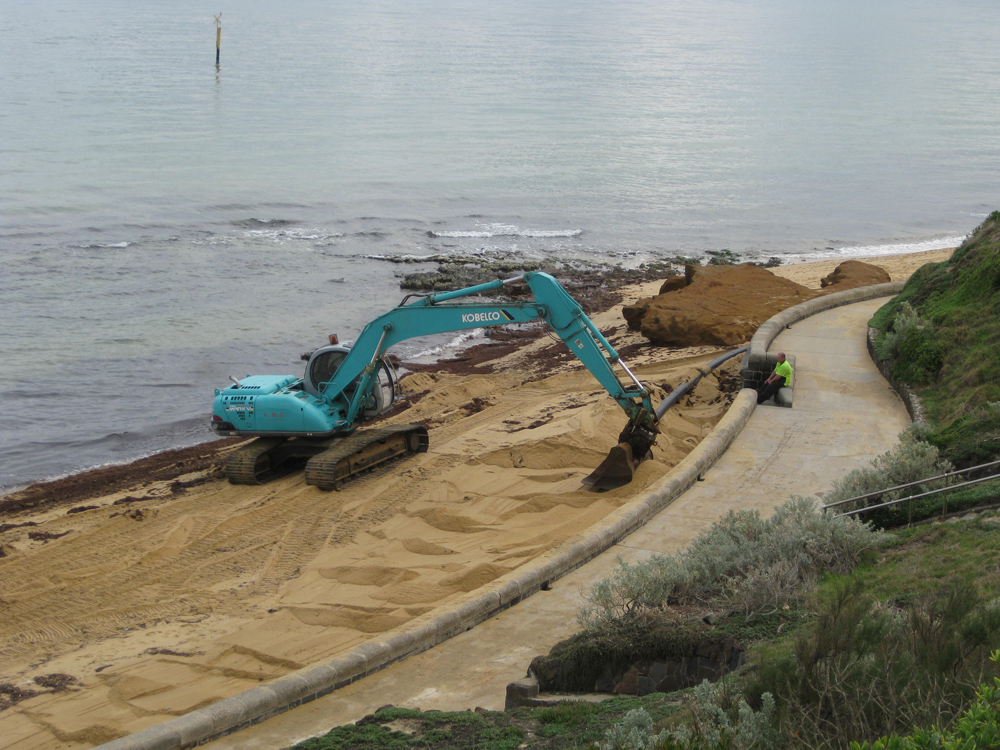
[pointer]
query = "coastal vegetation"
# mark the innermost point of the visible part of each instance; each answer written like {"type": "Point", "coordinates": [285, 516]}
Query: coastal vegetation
{"type": "Point", "coordinates": [941, 337]}
{"type": "Point", "coordinates": [938, 340]}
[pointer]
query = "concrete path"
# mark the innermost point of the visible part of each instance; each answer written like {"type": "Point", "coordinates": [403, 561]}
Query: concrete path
{"type": "Point", "coordinates": [845, 413]}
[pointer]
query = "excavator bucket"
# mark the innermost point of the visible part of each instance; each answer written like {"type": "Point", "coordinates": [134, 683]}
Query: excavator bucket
{"type": "Point", "coordinates": [615, 471]}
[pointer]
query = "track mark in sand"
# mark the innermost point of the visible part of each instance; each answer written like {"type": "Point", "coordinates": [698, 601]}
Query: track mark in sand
{"type": "Point", "coordinates": [439, 434]}
{"type": "Point", "coordinates": [203, 556]}
{"type": "Point", "coordinates": [304, 540]}
{"type": "Point", "coordinates": [95, 734]}
{"type": "Point", "coordinates": [197, 550]}
{"type": "Point", "coordinates": [391, 501]}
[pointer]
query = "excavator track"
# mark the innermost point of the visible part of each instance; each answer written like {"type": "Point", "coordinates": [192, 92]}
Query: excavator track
{"type": "Point", "coordinates": [363, 451]}
{"type": "Point", "coordinates": [252, 464]}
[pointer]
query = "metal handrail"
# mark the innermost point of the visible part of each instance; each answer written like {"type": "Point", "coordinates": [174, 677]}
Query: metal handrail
{"type": "Point", "coordinates": [911, 498]}
{"type": "Point", "coordinates": [991, 478]}
{"type": "Point", "coordinates": [878, 493]}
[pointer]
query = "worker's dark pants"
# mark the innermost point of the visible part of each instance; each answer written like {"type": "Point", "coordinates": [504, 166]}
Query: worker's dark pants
{"type": "Point", "coordinates": [769, 389]}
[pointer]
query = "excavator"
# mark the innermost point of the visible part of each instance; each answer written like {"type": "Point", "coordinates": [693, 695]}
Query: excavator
{"type": "Point", "coordinates": [313, 419]}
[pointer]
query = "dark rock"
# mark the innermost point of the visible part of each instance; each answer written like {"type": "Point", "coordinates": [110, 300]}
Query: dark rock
{"type": "Point", "coordinates": [629, 684]}
{"type": "Point", "coordinates": [521, 693]}
{"type": "Point", "coordinates": [673, 284]}
{"type": "Point", "coordinates": [606, 682]}
{"type": "Point", "coordinates": [645, 685]}
{"type": "Point", "coordinates": [676, 678]}
{"type": "Point", "coordinates": [658, 671]}
{"type": "Point", "coordinates": [634, 313]}
{"type": "Point", "coordinates": [703, 668]}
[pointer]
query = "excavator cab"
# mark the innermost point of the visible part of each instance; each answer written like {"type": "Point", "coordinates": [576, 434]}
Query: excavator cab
{"type": "Point", "coordinates": [323, 365]}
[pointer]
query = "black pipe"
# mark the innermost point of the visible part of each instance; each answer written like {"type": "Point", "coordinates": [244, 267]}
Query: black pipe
{"type": "Point", "coordinates": [680, 390]}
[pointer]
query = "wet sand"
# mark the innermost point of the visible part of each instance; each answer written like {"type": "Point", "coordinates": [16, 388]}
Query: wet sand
{"type": "Point", "coordinates": [158, 597]}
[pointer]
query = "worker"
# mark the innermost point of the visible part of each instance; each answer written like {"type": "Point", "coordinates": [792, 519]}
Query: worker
{"type": "Point", "coordinates": [777, 380]}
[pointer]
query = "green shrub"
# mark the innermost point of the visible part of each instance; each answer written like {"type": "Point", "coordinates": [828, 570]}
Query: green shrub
{"type": "Point", "coordinates": [972, 438]}
{"type": "Point", "coordinates": [911, 460]}
{"type": "Point", "coordinates": [905, 321]}
{"type": "Point", "coordinates": [743, 563]}
{"type": "Point", "coordinates": [634, 732]}
{"type": "Point", "coordinates": [867, 669]}
{"type": "Point", "coordinates": [948, 351]}
{"type": "Point", "coordinates": [920, 356]}
{"type": "Point", "coordinates": [721, 719]}
{"type": "Point", "coordinates": [978, 728]}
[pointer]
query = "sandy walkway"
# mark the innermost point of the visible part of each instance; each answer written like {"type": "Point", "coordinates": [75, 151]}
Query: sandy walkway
{"type": "Point", "coordinates": [181, 597]}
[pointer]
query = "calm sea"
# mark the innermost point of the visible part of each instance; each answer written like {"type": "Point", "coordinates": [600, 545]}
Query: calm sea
{"type": "Point", "coordinates": [166, 222]}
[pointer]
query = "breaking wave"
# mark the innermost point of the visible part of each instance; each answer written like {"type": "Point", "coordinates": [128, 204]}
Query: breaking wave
{"type": "Point", "coordinates": [486, 231]}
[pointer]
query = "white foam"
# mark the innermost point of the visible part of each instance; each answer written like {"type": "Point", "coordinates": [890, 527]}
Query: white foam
{"type": "Point", "coordinates": [281, 236]}
{"type": "Point", "coordinates": [871, 251]}
{"type": "Point", "coordinates": [506, 230]}
{"type": "Point", "coordinates": [455, 343]}
{"type": "Point", "coordinates": [407, 256]}
{"type": "Point", "coordinates": [103, 245]}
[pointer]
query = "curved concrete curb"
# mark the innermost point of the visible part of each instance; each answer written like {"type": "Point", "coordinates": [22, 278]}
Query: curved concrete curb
{"type": "Point", "coordinates": [260, 703]}
{"type": "Point", "coordinates": [756, 357]}
{"type": "Point", "coordinates": [257, 704]}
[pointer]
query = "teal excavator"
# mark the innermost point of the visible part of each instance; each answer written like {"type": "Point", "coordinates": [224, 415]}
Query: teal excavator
{"type": "Point", "coordinates": [313, 419]}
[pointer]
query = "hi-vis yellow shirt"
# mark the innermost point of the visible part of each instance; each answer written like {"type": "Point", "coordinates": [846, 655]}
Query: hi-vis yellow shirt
{"type": "Point", "coordinates": [784, 369]}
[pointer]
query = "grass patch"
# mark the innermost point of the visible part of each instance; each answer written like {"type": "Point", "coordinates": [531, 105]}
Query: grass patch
{"type": "Point", "coordinates": [565, 726]}
{"type": "Point", "coordinates": [919, 558]}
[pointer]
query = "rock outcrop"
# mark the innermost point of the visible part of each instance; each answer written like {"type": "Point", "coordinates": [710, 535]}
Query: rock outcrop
{"type": "Point", "coordinates": [721, 305]}
{"type": "Point", "coordinates": [853, 273]}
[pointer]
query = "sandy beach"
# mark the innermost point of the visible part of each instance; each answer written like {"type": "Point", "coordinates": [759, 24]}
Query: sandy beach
{"type": "Point", "coordinates": [159, 597]}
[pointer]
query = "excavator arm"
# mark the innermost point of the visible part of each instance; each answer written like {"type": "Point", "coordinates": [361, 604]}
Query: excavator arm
{"type": "Point", "coordinates": [438, 314]}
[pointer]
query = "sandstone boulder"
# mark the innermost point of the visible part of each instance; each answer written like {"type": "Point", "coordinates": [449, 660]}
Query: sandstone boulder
{"type": "Point", "coordinates": [721, 305]}
{"type": "Point", "coordinates": [853, 273]}
{"type": "Point", "coordinates": [673, 284]}
{"type": "Point", "coordinates": [634, 313]}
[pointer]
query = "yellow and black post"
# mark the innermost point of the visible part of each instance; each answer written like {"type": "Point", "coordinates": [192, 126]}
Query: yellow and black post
{"type": "Point", "coordinates": [218, 37]}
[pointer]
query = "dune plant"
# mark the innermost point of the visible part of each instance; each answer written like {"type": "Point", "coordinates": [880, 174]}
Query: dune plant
{"type": "Point", "coordinates": [719, 717]}
{"type": "Point", "coordinates": [742, 563]}
{"type": "Point", "coordinates": [634, 732]}
{"type": "Point", "coordinates": [911, 460]}
{"type": "Point", "coordinates": [868, 668]}
{"type": "Point", "coordinates": [978, 728]}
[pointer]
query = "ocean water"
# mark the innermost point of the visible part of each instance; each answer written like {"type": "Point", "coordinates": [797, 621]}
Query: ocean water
{"type": "Point", "coordinates": [166, 222]}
